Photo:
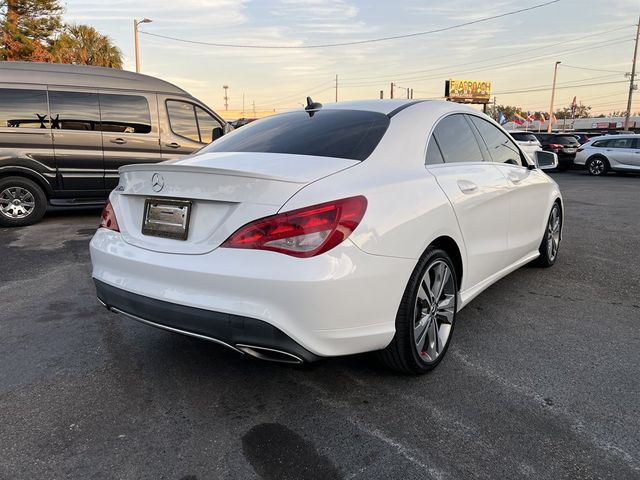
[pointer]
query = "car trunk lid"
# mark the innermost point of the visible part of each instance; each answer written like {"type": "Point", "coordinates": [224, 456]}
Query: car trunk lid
{"type": "Point", "coordinates": [224, 192]}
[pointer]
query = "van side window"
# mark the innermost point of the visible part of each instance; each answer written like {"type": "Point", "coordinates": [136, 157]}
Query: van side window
{"type": "Point", "coordinates": [456, 140]}
{"type": "Point", "coordinates": [206, 123]}
{"type": "Point", "coordinates": [23, 108]}
{"type": "Point", "coordinates": [501, 148]}
{"type": "Point", "coordinates": [74, 110]}
{"type": "Point", "coordinates": [124, 113]}
{"type": "Point", "coordinates": [182, 118]}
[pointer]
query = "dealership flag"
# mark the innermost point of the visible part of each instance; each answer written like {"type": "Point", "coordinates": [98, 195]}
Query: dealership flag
{"type": "Point", "coordinates": [519, 119]}
{"type": "Point", "coordinates": [553, 119]}
{"type": "Point", "coordinates": [502, 119]}
{"type": "Point", "coordinates": [531, 117]}
{"type": "Point", "coordinates": [542, 119]}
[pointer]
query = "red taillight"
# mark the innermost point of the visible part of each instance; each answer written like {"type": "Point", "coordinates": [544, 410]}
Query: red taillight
{"type": "Point", "coordinates": [108, 218]}
{"type": "Point", "coordinates": [555, 146]}
{"type": "Point", "coordinates": [305, 232]}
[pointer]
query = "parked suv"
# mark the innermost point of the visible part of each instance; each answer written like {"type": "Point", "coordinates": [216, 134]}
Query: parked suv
{"type": "Point", "coordinates": [66, 129]}
{"type": "Point", "coordinates": [616, 152]}
{"type": "Point", "coordinates": [564, 144]}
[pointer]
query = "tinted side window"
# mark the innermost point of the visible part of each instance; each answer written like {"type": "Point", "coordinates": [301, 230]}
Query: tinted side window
{"type": "Point", "coordinates": [23, 108]}
{"type": "Point", "coordinates": [501, 148]}
{"type": "Point", "coordinates": [600, 143]}
{"type": "Point", "coordinates": [456, 140]}
{"type": "Point", "coordinates": [124, 113]}
{"type": "Point", "coordinates": [74, 110]}
{"type": "Point", "coordinates": [434, 156]}
{"type": "Point", "coordinates": [206, 123]}
{"type": "Point", "coordinates": [620, 143]}
{"type": "Point", "coordinates": [182, 118]}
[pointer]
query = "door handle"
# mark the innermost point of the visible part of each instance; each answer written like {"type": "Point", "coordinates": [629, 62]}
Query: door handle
{"type": "Point", "coordinates": [466, 186]}
{"type": "Point", "coordinates": [173, 145]}
{"type": "Point", "coordinates": [119, 141]}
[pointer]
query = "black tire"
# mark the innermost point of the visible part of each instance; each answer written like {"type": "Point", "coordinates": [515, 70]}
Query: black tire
{"type": "Point", "coordinates": [597, 166]}
{"type": "Point", "coordinates": [401, 354]}
{"type": "Point", "coordinates": [549, 254]}
{"type": "Point", "coordinates": [32, 202]}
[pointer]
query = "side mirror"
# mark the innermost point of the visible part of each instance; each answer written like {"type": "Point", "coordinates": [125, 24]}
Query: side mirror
{"type": "Point", "coordinates": [216, 133]}
{"type": "Point", "coordinates": [545, 160]}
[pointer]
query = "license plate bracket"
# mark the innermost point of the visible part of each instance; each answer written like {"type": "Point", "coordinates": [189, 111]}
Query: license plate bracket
{"type": "Point", "coordinates": [166, 218]}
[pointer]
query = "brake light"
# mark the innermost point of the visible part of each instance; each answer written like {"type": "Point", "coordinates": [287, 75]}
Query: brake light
{"type": "Point", "coordinates": [555, 146]}
{"type": "Point", "coordinates": [305, 232]}
{"type": "Point", "coordinates": [108, 218]}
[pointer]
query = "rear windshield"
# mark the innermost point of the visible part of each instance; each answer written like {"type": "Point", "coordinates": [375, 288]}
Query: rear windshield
{"type": "Point", "coordinates": [564, 140]}
{"type": "Point", "coordinates": [350, 134]}
{"type": "Point", "coordinates": [524, 137]}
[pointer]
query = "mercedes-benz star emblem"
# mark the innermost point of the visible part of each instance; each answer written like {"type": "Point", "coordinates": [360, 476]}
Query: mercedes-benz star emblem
{"type": "Point", "coordinates": [157, 182]}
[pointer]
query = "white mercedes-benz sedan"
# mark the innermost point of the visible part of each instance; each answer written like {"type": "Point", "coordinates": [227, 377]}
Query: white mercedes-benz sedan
{"type": "Point", "coordinates": [353, 227]}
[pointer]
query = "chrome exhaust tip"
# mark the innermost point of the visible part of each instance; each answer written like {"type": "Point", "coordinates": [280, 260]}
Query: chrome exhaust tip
{"type": "Point", "coordinates": [269, 354]}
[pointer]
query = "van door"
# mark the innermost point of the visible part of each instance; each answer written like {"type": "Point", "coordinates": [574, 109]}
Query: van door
{"type": "Point", "coordinates": [77, 140]}
{"type": "Point", "coordinates": [190, 128]}
{"type": "Point", "coordinates": [129, 123]}
{"type": "Point", "coordinates": [25, 136]}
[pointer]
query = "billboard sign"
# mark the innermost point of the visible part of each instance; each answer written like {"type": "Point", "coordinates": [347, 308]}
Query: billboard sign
{"type": "Point", "coordinates": [467, 91]}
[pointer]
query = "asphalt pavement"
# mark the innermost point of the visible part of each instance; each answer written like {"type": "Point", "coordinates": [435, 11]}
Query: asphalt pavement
{"type": "Point", "coordinates": [542, 379]}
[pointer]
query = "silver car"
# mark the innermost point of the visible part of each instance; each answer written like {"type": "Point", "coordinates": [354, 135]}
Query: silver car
{"type": "Point", "coordinates": [610, 153]}
{"type": "Point", "coordinates": [527, 141]}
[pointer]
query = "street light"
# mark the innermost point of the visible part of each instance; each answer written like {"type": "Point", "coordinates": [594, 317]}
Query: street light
{"type": "Point", "coordinates": [553, 94]}
{"type": "Point", "coordinates": [135, 36]}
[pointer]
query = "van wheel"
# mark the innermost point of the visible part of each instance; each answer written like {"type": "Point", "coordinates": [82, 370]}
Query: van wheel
{"type": "Point", "coordinates": [22, 202]}
{"type": "Point", "coordinates": [426, 317]}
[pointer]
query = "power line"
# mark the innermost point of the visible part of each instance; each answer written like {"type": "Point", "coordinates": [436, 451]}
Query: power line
{"type": "Point", "coordinates": [562, 65]}
{"type": "Point", "coordinates": [557, 88]}
{"type": "Point", "coordinates": [358, 42]}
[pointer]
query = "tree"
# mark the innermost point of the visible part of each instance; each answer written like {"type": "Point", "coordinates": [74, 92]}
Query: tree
{"type": "Point", "coordinates": [28, 28]}
{"type": "Point", "coordinates": [84, 45]}
{"type": "Point", "coordinates": [582, 111]}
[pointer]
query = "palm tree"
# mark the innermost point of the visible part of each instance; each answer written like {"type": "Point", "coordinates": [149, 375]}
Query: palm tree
{"type": "Point", "coordinates": [84, 45]}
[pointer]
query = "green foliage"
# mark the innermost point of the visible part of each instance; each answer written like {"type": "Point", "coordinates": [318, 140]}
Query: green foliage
{"type": "Point", "coordinates": [33, 30]}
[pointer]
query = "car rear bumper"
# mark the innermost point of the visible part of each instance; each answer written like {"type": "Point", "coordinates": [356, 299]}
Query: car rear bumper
{"type": "Point", "coordinates": [342, 302]}
{"type": "Point", "coordinates": [242, 334]}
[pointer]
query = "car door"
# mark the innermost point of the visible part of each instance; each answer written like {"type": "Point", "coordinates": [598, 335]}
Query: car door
{"type": "Point", "coordinates": [129, 131]}
{"type": "Point", "coordinates": [622, 150]}
{"type": "Point", "coordinates": [476, 190]}
{"type": "Point", "coordinates": [25, 136]}
{"type": "Point", "coordinates": [526, 193]}
{"type": "Point", "coordinates": [185, 134]}
{"type": "Point", "coordinates": [77, 140]}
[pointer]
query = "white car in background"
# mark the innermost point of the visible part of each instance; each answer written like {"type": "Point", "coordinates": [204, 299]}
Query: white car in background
{"type": "Point", "coordinates": [527, 141]}
{"type": "Point", "coordinates": [328, 231]}
{"type": "Point", "coordinates": [619, 153]}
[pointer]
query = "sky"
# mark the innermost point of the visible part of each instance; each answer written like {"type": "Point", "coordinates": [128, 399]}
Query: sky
{"type": "Point", "coordinates": [593, 40]}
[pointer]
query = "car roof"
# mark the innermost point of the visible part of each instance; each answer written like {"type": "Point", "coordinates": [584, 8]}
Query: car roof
{"type": "Point", "coordinates": [82, 76]}
{"type": "Point", "coordinates": [393, 106]}
{"type": "Point", "coordinates": [611, 137]}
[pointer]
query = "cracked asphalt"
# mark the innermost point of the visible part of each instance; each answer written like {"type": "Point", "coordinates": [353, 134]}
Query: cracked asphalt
{"type": "Point", "coordinates": [542, 379]}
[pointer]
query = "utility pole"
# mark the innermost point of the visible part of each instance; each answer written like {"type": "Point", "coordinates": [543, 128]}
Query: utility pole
{"type": "Point", "coordinates": [495, 112]}
{"type": "Point", "coordinates": [381, 94]}
{"type": "Point", "coordinates": [226, 97]}
{"type": "Point", "coordinates": [633, 77]}
{"type": "Point", "coordinates": [408, 93]}
{"type": "Point", "coordinates": [242, 104]}
{"type": "Point", "coordinates": [135, 40]}
{"type": "Point", "coordinates": [336, 88]}
{"type": "Point", "coordinates": [392, 85]}
{"type": "Point", "coordinates": [253, 104]}
{"type": "Point", "coordinates": [553, 94]}
{"type": "Point", "coordinates": [412, 94]}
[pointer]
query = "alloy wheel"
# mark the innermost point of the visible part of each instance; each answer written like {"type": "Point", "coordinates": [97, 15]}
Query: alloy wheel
{"type": "Point", "coordinates": [434, 311]}
{"type": "Point", "coordinates": [553, 232]}
{"type": "Point", "coordinates": [596, 166]}
{"type": "Point", "coordinates": [16, 202]}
